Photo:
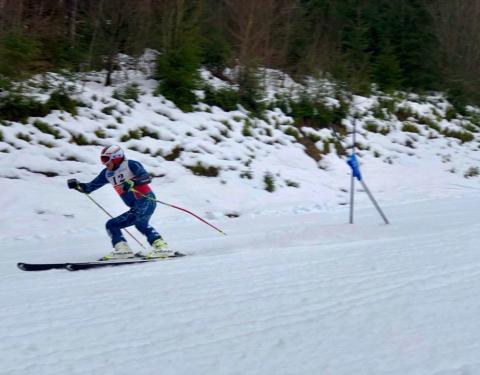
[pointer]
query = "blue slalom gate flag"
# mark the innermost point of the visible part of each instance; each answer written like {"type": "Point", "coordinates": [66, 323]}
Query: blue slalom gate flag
{"type": "Point", "coordinates": [352, 161]}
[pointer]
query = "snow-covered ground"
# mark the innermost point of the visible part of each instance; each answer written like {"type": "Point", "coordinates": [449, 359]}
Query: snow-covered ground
{"type": "Point", "coordinates": [300, 293]}
{"type": "Point", "coordinates": [292, 289]}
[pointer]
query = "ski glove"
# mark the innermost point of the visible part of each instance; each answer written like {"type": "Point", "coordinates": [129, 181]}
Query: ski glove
{"type": "Point", "coordinates": [128, 185]}
{"type": "Point", "coordinates": [74, 184]}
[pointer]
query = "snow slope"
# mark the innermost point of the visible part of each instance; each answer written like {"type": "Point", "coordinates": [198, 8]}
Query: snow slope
{"type": "Point", "coordinates": [292, 289]}
{"type": "Point", "coordinates": [297, 293]}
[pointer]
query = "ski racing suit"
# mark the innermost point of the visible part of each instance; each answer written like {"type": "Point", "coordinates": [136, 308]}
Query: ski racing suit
{"type": "Point", "coordinates": [141, 207]}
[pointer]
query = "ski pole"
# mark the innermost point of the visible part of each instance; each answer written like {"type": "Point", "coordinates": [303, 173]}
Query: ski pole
{"type": "Point", "coordinates": [181, 209]}
{"type": "Point", "coordinates": [104, 210]}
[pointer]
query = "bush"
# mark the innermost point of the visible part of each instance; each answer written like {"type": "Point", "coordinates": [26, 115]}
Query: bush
{"type": "Point", "coordinates": [404, 113]}
{"type": "Point", "coordinates": [100, 133]}
{"type": "Point", "coordinates": [326, 147]}
{"type": "Point", "coordinates": [108, 110]}
{"type": "Point", "coordinates": [46, 128]}
{"type": "Point", "coordinates": [291, 131]}
{"type": "Point", "coordinates": [387, 104]}
{"type": "Point", "coordinates": [246, 130]}
{"type": "Point", "coordinates": [17, 53]}
{"type": "Point", "coordinates": [430, 123]}
{"type": "Point", "coordinates": [149, 133]}
{"type": "Point", "coordinates": [463, 136]}
{"type": "Point", "coordinates": [178, 76]}
{"type": "Point", "coordinates": [471, 128]}
{"type": "Point", "coordinates": [60, 100]}
{"type": "Point", "coordinates": [24, 137]}
{"type": "Point", "coordinates": [79, 140]}
{"type": "Point", "coordinates": [409, 127]}
{"type": "Point", "coordinates": [132, 134]}
{"type": "Point", "coordinates": [247, 174]}
{"type": "Point", "coordinates": [292, 183]}
{"type": "Point", "coordinates": [472, 172]}
{"type": "Point", "coordinates": [312, 112]}
{"type": "Point", "coordinates": [224, 98]}
{"type": "Point", "coordinates": [371, 126]}
{"type": "Point", "coordinates": [46, 144]}
{"type": "Point", "coordinates": [379, 112]}
{"type": "Point", "coordinates": [174, 154]}
{"type": "Point", "coordinates": [200, 170]}
{"type": "Point", "coordinates": [16, 107]}
{"type": "Point", "coordinates": [451, 113]}
{"type": "Point", "coordinates": [250, 90]}
{"type": "Point", "coordinates": [128, 93]}
{"type": "Point", "coordinates": [269, 182]}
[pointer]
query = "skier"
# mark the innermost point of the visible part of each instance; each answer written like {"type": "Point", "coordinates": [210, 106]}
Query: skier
{"type": "Point", "coordinates": [126, 175]}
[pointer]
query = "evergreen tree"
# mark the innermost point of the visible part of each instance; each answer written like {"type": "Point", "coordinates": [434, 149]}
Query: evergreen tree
{"type": "Point", "coordinates": [17, 53]}
{"type": "Point", "coordinates": [355, 69]}
{"type": "Point", "coordinates": [408, 28]}
{"type": "Point", "coordinates": [251, 91]}
{"type": "Point", "coordinates": [177, 68]}
{"type": "Point", "coordinates": [313, 30]}
{"type": "Point", "coordinates": [386, 69]}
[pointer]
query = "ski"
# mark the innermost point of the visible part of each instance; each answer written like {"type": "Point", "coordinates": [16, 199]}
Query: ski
{"type": "Point", "coordinates": [77, 266]}
{"type": "Point", "coordinates": [116, 262]}
{"type": "Point", "coordinates": [41, 266]}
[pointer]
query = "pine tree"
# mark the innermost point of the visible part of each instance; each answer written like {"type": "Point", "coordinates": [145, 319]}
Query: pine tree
{"type": "Point", "coordinates": [17, 53]}
{"type": "Point", "coordinates": [410, 29]}
{"type": "Point", "coordinates": [356, 69]}
{"type": "Point", "coordinates": [177, 68]}
{"type": "Point", "coordinates": [386, 71]}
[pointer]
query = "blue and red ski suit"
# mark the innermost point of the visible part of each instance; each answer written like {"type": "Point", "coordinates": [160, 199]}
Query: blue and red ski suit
{"type": "Point", "coordinates": [141, 207]}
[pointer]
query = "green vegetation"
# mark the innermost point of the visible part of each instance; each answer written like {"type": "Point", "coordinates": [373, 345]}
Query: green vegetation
{"type": "Point", "coordinates": [18, 53]}
{"type": "Point", "coordinates": [225, 98]}
{"type": "Point", "coordinates": [269, 182]}
{"type": "Point", "coordinates": [46, 128]}
{"type": "Point", "coordinates": [409, 127]}
{"type": "Point", "coordinates": [246, 130]}
{"type": "Point", "coordinates": [463, 136]}
{"type": "Point", "coordinates": [60, 100]}
{"type": "Point", "coordinates": [16, 107]}
{"type": "Point", "coordinates": [80, 140]}
{"type": "Point", "coordinates": [364, 45]}
{"type": "Point", "coordinates": [200, 170]}
{"type": "Point", "coordinates": [312, 112]}
{"type": "Point", "coordinates": [371, 126]}
{"type": "Point", "coordinates": [24, 137]}
{"type": "Point", "coordinates": [291, 131]}
{"type": "Point", "coordinates": [132, 134]}
{"type": "Point", "coordinates": [128, 93]}
{"type": "Point", "coordinates": [174, 154]}
{"type": "Point", "coordinates": [291, 183]}
{"type": "Point", "coordinates": [472, 172]}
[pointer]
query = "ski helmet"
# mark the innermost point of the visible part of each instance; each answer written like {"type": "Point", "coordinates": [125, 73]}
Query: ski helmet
{"type": "Point", "coordinates": [112, 154]}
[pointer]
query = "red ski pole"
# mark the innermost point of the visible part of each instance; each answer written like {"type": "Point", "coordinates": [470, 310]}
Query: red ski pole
{"type": "Point", "coordinates": [181, 209]}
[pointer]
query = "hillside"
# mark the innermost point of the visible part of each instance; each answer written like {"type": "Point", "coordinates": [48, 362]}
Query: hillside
{"type": "Point", "coordinates": [228, 164]}
{"type": "Point", "coordinates": [292, 288]}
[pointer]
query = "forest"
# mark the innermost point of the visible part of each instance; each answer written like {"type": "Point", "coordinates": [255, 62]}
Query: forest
{"type": "Point", "coordinates": [411, 45]}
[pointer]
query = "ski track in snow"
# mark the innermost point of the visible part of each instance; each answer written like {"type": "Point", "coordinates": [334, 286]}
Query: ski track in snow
{"type": "Point", "coordinates": [291, 294]}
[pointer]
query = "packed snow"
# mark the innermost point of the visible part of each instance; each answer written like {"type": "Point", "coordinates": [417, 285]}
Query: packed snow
{"type": "Point", "coordinates": [292, 289]}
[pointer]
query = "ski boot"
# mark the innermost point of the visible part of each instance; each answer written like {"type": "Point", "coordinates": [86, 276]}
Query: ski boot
{"type": "Point", "coordinates": [122, 251]}
{"type": "Point", "coordinates": [159, 249]}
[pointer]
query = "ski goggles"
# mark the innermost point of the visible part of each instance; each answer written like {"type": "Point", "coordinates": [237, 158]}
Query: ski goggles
{"type": "Point", "coordinates": [105, 159]}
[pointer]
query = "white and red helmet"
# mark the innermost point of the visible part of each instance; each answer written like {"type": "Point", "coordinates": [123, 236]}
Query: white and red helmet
{"type": "Point", "coordinates": [112, 154]}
